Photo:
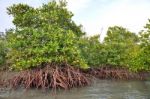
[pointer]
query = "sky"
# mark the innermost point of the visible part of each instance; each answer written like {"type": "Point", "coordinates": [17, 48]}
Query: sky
{"type": "Point", "coordinates": [95, 15]}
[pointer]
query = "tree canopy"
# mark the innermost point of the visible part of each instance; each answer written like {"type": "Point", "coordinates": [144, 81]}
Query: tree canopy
{"type": "Point", "coordinates": [48, 34]}
{"type": "Point", "coordinates": [43, 35]}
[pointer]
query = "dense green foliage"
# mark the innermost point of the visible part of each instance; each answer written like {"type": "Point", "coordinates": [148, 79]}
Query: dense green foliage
{"type": "Point", "coordinates": [43, 35]}
{"type": "Point", "coordinates": [3, 50]}
{"type": "Point", "coordinates": [93, 51]}
{"type": "Point", "coordinates": [117, 43]}
{"type": "Point", "coordinates": [48, 34]}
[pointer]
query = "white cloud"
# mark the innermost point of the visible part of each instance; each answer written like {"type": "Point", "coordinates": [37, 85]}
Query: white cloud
{"type": "Point", "coordinates": [131, 14]}
{"type": "Point", "coordinates": [126, 14]}
{"type": "Point", "coordinates": [78, 5]}
{"type": "Point", "coordinates": [97, 15]}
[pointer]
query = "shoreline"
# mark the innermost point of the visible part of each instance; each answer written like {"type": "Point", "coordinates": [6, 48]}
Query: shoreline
{"type": "Point", "coordinates": [65, 77]}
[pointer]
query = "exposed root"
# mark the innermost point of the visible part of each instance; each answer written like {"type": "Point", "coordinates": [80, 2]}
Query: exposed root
{"type": "Point", "coordinates": [116, 73]}
{"type": "Point", "coordinates": [51, 77]}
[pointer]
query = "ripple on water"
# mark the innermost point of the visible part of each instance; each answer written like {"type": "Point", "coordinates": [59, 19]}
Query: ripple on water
{"type": "Point", "coordinates": [102, 89]}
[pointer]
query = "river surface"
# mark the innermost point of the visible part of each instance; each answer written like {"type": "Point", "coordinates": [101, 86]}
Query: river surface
{"type": "Point", "coordinates": [101, 89]}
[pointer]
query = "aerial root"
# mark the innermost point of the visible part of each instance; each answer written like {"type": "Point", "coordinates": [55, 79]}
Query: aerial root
{"type": "Point", "coordinates": [51, 77]}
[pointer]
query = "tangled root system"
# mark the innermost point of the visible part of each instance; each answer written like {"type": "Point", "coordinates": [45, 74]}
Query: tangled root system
{"type": "Point", "coordinates": [51, 77]}
{"type": "Point", "coordinates": [116, 73]}
{"type": "Point", "coordinates": [65, 77]}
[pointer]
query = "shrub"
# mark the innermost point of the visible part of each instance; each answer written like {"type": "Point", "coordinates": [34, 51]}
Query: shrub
{"type": "Point", "coordinates": [43, 35]}
{"type": "Point", "coordinates": [3, 50]}
{"type": "Point", "coordinates": [93, 51]}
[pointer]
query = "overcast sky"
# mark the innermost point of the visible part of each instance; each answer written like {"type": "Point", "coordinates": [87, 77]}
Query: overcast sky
{"type": "Point", "coordinates": [95, 15]}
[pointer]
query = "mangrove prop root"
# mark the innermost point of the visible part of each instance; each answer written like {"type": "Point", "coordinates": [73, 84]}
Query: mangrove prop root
{"type": "Point", "coordinates": [65, 77]}
{"type": "Point", "coordinates": [116, 73]}
{"type": "Point", "coordinates": [51, 77]}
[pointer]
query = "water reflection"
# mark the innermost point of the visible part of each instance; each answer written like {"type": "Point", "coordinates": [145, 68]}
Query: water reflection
{"type": "Point", "coordinates": [102, 89]}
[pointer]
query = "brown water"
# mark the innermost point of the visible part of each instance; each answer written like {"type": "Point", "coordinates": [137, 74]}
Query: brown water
{"type": "Point", "coordinates": [101, 89]}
